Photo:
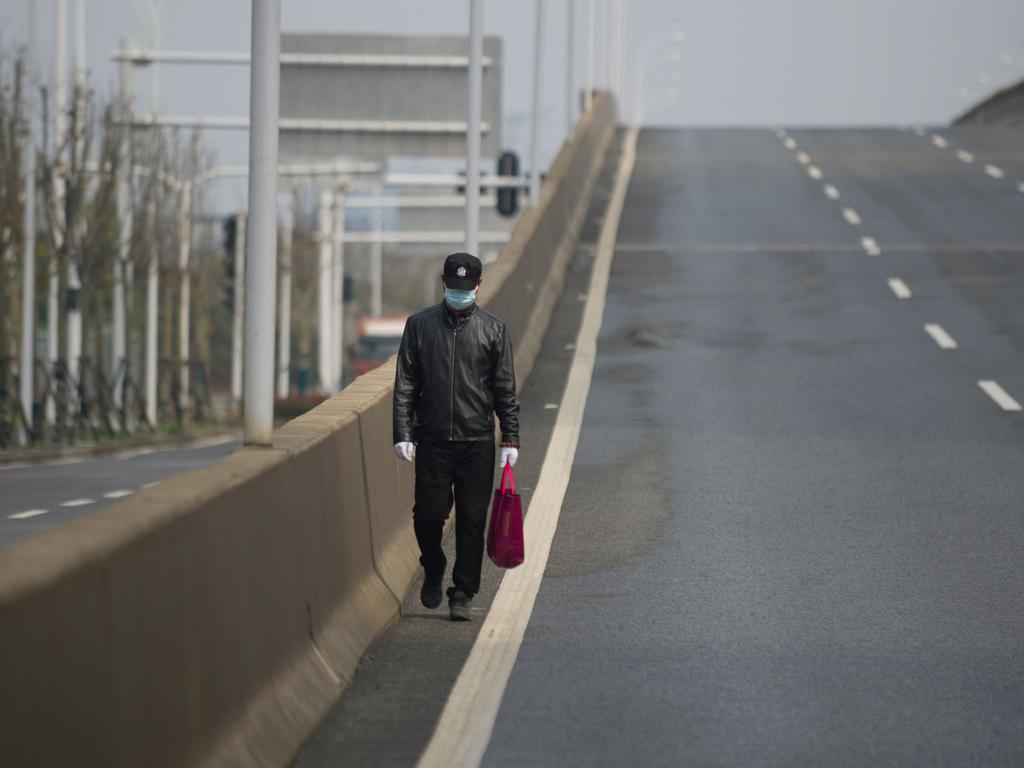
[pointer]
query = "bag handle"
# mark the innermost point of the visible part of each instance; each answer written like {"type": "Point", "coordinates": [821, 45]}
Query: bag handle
{"type": "Point", "coordinates": [508, 475]}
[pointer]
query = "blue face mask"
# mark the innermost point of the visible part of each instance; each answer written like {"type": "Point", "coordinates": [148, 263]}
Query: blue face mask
{"type": "Point", "coordinates": [459, 300]}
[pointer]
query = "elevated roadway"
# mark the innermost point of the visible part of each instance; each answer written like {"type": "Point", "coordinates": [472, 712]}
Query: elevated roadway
{"type": "Point", "coordinates": [792, 528]}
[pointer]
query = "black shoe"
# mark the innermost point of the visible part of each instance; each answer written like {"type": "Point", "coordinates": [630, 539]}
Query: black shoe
{"type": "Point", "coordinates": [430, 594]}
{"type": "Point", "coordinates": [458, 604]}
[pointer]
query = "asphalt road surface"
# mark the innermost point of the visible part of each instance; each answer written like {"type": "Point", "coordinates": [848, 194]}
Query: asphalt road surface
{"type": "Point", "coordinates": [35, 497]}
{"type": "Point", "coordinates": [794, 527]}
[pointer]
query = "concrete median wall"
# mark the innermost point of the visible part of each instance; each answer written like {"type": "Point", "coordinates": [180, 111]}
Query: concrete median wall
{"type": "Point", "coordinates": [214, 618]}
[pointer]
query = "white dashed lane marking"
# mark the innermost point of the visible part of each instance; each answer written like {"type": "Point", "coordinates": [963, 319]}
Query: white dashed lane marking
{"type": "Point", "coordinates": [831, 192]}
{"type": "Point", "coordinates": [803, 158]}
{"type": "Point", "coordinates": [994, 171]}
{"type": "Point", "coordinates": [77, 502]}
{"type": "Point", "coordinates": [1020, 187]}
{"type": "Point", "coordinates": [999, 395]}
{"type": "Point", "coordinates": [118, 494]}
{"type": "Point", "coordinates": [851, 216]}
{"type": "Point", "coordinates": [27, 514]}
{"type": "Point", "coordinates": [870, 246]}
{"type": "Point", "coordinates": [789, 143]}
{"type": "Point", "coordinates": [814, 172]}
{"type": "Point", "coordinates": [963, 154]}
{"type": "Point", "coordinates": [899, 288]}
{"type": "Point", "coordinates": [939, 142]}
{"type": "Point", "coordinates": [938, 333]}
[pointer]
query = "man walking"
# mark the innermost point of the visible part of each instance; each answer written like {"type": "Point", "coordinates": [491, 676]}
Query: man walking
{"type": "Point", "coordinates": [454, 373]}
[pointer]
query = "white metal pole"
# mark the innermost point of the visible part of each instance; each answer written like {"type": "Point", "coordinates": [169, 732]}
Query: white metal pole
{"type": "Point", "coordinates": [152, 301]}
{"type": "Point", "coordinates": [284, 320]}
{"type": "Point", "coordinates": [476, 55]}
{"type": "Point", "coordinates": [126, 222]}
{"type": "Point", "coordinates": [60, 107]}
{"type": "Point", "coordinates": [238, 312]}
{"type": "Point", "coordinates": [376, 263]}
{"type": "Point", "coordinates": [338, 289]}
{"type": "Point", "coordinates": [74, 288]}
{"type": "Point", "coordinates": [538, 49]}
{"type": "Point", "coordinates": [570, 61]}
{"type": "Point", "coordinates": [28, 274]}
{"type": "Point", "coordinates": [588, 93]}
{"type": "Point", "coordinates": [325, 324]}
{"type": "Point", "coordinates": [185, 290]}
{"type": "Point", "coordinates": [261, 274]}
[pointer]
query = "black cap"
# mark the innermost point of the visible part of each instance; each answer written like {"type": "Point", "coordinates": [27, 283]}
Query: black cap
{"type": "Point", "coordinates": [462, 271]}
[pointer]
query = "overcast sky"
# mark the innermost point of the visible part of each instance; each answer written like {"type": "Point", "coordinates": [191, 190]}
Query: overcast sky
{"type": "Point", "coordinates": [742, 62]}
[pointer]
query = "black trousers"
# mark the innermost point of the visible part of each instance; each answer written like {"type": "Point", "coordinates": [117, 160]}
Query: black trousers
{"type": "Point", "coordinates": [463, 471]}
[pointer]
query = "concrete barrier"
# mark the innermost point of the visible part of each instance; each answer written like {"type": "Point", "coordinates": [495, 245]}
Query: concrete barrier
{"type": "Point", "coordinates": [214, 618]}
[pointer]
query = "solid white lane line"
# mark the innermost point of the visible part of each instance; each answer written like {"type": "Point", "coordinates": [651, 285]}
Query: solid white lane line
{"type": "Point", "coordinates": [870, 246]}
{"type": "Point", "coordinates": [464, 729]}
{"type": "Point", "coordinates": [150, 485]}
{"type": "Point", "coordinates": [119, 494]}
{"type": "Point", "coordinates": [963, 154]}
{"type": "Point", "coordinates": [77, 502]}
{"type": "Point", "coordinates": [939, 142]}
{"type": "Point", "coordinates": [14, 465]}
{"type": "Point", "coordinates": [997, 393]}
{"type": "Point", "coordinates": [802, 158]}
{"type": "Point", "coordinates": [938, 333]}
{"type": "Point", "coordinates": [899, 288]}
{"type": "Point", "coordinates": [789, 143]}
{"type": "Point", "coordinates": [27, 514]}
{"type": "Point", "coordinates": [210, 442]}
{"type": "Point", "coordinates": [994, 171]}
{"type": "Point", "coordinates": [831, 192]}
{"type": "Point", "coordinates": [851, 216]}
{"type": "Point", "coordinates": [814, 172]}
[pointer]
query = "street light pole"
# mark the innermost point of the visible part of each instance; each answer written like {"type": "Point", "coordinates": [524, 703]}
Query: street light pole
{"type": "Point", "coordinates": [238, 312]}
{"type": "Point", "coordinates": [74, 286]}
{"type": "Point", "coordinates": [261, 235]}
{"type": "Point", "coordinates": [284, 320]}
{"type": "Point", "coordinates": [538, 50]}
{"type": "Point", "coordinates": [126, 222]}
{"type": "Point", "coordinates": [325, 277]}
{"type": "Point", "coordinates": [152, 299]}
{"type": "Point", "coordinates": [60, 108]}
{"type": "Point", "coordinates": [338, 288]}
{"type": "Point", "coordinates": [28, 275]}
{"type": "Point", "coordinates": [476, 55]}
{"type": "Point", "coordinates": [185, 290]}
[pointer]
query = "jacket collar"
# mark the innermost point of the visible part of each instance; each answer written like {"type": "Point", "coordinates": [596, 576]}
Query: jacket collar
{"type": "Point", "coordinates": [455, 319]}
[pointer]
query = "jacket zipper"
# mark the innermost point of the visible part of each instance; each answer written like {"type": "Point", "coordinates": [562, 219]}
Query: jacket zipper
{"type": "Point", "coordinates": [451, 388]}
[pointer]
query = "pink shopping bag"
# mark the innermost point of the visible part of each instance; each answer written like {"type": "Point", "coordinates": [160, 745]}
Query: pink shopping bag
{"type": "Point", "coordinates": [505, 544]}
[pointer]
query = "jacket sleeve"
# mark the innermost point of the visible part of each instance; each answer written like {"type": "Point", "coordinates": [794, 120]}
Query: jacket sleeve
{"type": "Point", "coordinates": [407, 381]}
{"type": "Point", "coordinates": [506, 402]}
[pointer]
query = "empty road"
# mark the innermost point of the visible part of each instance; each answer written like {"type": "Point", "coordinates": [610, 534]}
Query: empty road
{"type": "Point", "coordinates": [35, 497]}
{"type": "Point", "coordinates": [793, 531]}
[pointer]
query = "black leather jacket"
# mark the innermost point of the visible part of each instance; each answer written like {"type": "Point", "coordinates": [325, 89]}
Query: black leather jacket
{"type": "Point", "coordinates": [454, 373]}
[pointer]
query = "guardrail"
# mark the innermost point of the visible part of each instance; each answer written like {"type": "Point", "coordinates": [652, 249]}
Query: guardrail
{"type": "Point", "coordinates": [214, 618]}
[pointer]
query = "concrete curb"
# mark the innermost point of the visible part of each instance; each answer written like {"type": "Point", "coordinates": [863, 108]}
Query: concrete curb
{"type": "Point", "coordinates": [214, 618]}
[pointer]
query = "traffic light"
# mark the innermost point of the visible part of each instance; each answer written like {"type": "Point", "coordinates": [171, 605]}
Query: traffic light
{"type": "Point", "coordinates": [508, 197]}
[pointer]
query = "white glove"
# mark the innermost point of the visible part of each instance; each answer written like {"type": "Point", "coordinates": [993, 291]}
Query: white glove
{"type": "Point", "coordinates": [405, 450]}
{"type": "Point", "coordinates": [510, 455]}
